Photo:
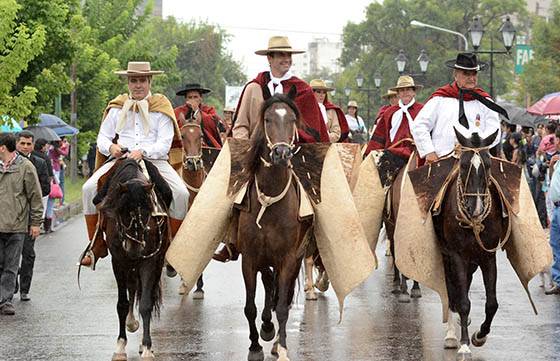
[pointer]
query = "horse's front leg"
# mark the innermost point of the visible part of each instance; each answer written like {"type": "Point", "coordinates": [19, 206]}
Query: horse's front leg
{"type": "Point", "coordinates": [198, 294]}
{"type": "Point", "coordinates": [267, 327]}
{"type": "Point", "coordinates": [121, 276]}
{"type": "Point", "coordinates": [132, 323]}
{"type": "Point", "coordinates": [461, 270]}
{"type": "Point", "coordinates": [310, 294]}
{"type": "Point", "coordinates": [489, 274]}
{"type": "Point", "coordinates": [404, 296]}
{"type": "Point", "coordinates": [151, 295]}
{"type": "Point", "coordinates": [250, 277]}
{"type": "Point", "coordinates": [287, 276]}
{"type": "Point", "coordinates": [415, 292]}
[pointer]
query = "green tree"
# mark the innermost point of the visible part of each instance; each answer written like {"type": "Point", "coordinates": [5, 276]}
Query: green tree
{"type": "Point", "coordinates": [541, 76]}
{"type": "Point", "coordinates": [18, 45]}
{"type": "Point", "coordinates": [371, 46]}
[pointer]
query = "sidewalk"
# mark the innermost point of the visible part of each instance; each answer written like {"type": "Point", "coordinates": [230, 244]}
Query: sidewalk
{"type": "Point", "coordinates": [67, 211]}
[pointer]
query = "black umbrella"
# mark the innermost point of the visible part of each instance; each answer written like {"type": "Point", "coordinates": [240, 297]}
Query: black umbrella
{"type": "Point", "coordinates": [43, 132]}
{"type": "Point", "coordinates": [520, 116]}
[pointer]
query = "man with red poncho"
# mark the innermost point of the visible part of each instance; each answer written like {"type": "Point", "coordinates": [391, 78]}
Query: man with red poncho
{"type": "Point", "coordinates": [333, 116]}
{"type": "Point", "coordinates": [207, 115]}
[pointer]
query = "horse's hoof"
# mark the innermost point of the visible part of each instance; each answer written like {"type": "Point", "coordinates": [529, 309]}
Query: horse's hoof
{"type": "Point", "coordinates": [147, 355]}
{"type": "Point", "coordinates": [119, 357]}
{"type": "Point", "coordinates": [198, 295]}
{"type": "Point", "coordinates": [450, 343]}
{"type": "Point", "coordinates": [464, 353]}
{"type": "Point", "coordinates": [322, 285]}
{"type": "Point", "coordinates": [396, 290]}
{"type": "Point", "coordinates": [267, 335]}
{"type": "Point", "coordinates": [170, 271]}
{"type": "Point", "coordinates": [256, 355]}
{"type": "Point", "coordinates": [274, 349]}
{"type": "Point", "coordinates": [416, 293]}
{"type": "Point", "coordinates": [404, 298]}
{"type": "Point", "coordinates": [132, 326]}
{"type": "Point", "coordinates": [310, 296]}
{"type": "Point", "coordinates": [183, 289]}
{"type": "Point", "coordinates": [478, 342]}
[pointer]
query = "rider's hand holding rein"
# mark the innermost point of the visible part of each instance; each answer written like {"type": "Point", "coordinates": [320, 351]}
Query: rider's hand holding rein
{"type": "Point", "coordinates": [116, 150]}
{"type": "Point", "coordinates": [135, 154]}
{"type": "Point", "coordinates": [431, 157]}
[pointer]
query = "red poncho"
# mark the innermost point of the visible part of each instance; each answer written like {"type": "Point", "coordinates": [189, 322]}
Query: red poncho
{"type": "Point", "coordinates": [452, 91]}
{"type": "Point", "coordinates": [306, 103]}
{"type": "Point", "coordinates": [209, 123]}
{"type": "Point", "coordinates": [344, 129]}
{"type": "Point", "coordinates": [381, 138]}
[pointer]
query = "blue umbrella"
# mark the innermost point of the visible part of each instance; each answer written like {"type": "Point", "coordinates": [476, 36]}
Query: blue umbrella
{"type": "Point", "coordinates": [57, 124]}
{"type": "Point", "coordinates": [9, 125]}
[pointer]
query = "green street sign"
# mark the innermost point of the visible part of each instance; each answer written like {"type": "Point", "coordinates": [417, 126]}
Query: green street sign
{"type": "Point", "coordinates": [523, 54]}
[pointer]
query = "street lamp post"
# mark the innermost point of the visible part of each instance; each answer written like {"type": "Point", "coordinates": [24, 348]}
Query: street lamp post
{"type": "Point", "coordinates": [476, 32]}
{"type": "Point", "coordinates": [360, 83]}
{"type": "Point", "coordinates": [424, 25]}
{"type": "Point", "coordinates": [347, 93]}
{"type": "Point", "coordinates": [422, 60]}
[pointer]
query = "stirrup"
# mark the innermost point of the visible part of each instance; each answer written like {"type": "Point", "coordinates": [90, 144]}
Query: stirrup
{"type": "Point", "coordinates": [89, 253]}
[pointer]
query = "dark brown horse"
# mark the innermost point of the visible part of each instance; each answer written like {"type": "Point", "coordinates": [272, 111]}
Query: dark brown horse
{"type": "Point", "coordinates": [470, 229]}
{"type": "Point", "coordinates": [193, 172]}
{"type": "Point", "coordinates": [138, 237]}
{"type": "Point", "coordinates": [270, 237]}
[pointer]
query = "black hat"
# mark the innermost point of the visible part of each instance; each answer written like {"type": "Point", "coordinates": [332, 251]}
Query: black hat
{"type": "Point", "coordinates": [466, 61]}
{"type": "Point", "coordinates": [193, 86]}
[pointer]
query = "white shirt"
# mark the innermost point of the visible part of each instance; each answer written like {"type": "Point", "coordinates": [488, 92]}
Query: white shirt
{"type": "Point", "coordinates": [432, 128]}
{"type": "Point", "coordinates": [355, 124]}
{"type": "Point", "coordinates": [155, 145]}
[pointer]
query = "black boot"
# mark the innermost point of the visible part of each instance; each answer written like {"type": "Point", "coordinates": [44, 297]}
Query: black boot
{"type": "Point", "coordinates": [47, 225]}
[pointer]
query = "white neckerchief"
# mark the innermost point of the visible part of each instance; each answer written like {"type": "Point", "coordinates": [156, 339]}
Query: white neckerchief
{"type": "Point", "coordinates": [278, 82]}
{"type": "Point", "coordinates": [324, 112]}
{"type": "Point", "coordinates": [135, 105]}
{"type": "Point", "coordinates": [397, 118]}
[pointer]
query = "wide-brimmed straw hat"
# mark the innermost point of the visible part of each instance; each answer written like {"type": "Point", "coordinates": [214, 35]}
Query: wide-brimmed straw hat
{"type": "Point", "coordinates": [406, 81]}
{"type": "Point", "coordinates": [319, 84]}
{"type": "Point", "coordinates": [279, 44]}
{"type": "Point", "coordinates": [466, 61]}
{"type": "Point", "coordinates": [352, 103]}
{"type": "Point", "coordinates": [138, 68]}
{"type": "Point", "coordinates": [229, 109]}
{"type": "Point", "coordinates": [390, 93]}
{"type": "Point", "coordinates": [193, 86]}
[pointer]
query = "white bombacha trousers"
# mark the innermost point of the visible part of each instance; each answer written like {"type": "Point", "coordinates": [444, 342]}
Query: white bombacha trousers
{"type": "Point", "coordinates": [178, 208]}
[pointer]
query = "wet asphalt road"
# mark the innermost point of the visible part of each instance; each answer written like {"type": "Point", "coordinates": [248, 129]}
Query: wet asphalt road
{"type": "Point", "coordinates": [62, 323]}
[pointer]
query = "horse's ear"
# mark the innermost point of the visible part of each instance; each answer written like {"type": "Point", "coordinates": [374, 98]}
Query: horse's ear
{"type": "Point", "coordinates": [148, 187]}
{"type": "Point", "coordinates": [464, 141]}
{"type": "Point", "coordinates": [486, 142]}
{"type": "Point", "coordinates": [123, 188]}
{"type": "Point", "coordinates": [292, 93]}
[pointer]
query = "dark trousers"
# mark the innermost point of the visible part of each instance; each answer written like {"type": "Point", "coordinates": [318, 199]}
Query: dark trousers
{"type": "Point", "coordinates": [11, 245]}
{"type": "Point", "coordinates": [27, 263]}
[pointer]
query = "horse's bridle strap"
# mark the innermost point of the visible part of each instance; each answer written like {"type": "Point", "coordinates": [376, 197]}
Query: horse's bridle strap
{"type": "Point", "coordinates": [267, 201]}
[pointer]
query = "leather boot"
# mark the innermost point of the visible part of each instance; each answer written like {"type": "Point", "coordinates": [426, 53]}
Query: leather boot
{"type": "Point", "coordinates": [174, 224]}
{"type": "Point", "coordinates": [227, 253]}
{"type": "Point", "coordinates": [97, 247]}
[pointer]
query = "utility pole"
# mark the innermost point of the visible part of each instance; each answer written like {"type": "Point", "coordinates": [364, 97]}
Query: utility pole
{"type": "Point", "coordinates": [73, 118]}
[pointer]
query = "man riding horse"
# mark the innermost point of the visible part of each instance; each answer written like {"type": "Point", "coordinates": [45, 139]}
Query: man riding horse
{"type": "Point", "coordinates": [278, 80]}
{"type": "Point", "coordinates": [202, 113]}
{"type": "Point", "coordinates": [139, 125]}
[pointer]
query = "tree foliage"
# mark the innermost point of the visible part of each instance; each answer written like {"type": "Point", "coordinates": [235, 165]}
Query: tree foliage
{"type": "Point", "coordinates": [371, 46]}
{"type": "Point", "coordinates": [540, 76]}
{"type": "Point", "coordinates": [19, 45]}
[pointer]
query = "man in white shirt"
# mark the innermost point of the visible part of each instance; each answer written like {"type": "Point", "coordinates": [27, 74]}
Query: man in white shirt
{"type": "Point", "coordinates": [461, 105]}
{"type": "Point", "coordinates": [145, 125]}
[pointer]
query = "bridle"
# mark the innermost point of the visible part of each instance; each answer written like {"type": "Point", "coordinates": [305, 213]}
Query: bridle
{"type": "Point", "coordinates": [196, 160]}
{"type": "Point", "coordinates": [476, 222]}
{"type": "Point", "coordinates": [272, 146]}
{"type": "Point", "coordinates": [137, 230]}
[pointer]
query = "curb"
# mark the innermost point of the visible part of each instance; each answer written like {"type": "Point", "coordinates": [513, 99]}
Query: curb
{"type": "Point", "coordinates": [68, 211]}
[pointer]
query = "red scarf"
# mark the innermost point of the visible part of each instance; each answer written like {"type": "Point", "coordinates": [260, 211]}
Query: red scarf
{"type": "Point", "coordinates": [452, 91]}
{"type": "Point", "coordinates": [344, 128]}
{"type": "Point", "coordinates": [306, 103]}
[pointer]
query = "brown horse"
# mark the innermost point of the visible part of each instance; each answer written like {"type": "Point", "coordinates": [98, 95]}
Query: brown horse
{"type": "Point", "coordinates": [138, 236]}
{"type": "Point", "coordinates": [270, 236]}
{"type": "Point", "coordinates": [470, 229]}
{"type": "Point", "coordinates": [193, 173]}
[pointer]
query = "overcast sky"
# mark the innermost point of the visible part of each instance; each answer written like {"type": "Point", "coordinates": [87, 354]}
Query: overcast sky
{"type": "Point", "coordinates": [247, 21]}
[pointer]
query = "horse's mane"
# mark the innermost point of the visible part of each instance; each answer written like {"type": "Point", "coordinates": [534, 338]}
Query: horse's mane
{"type": "Point", "coordinates": [258, 138]}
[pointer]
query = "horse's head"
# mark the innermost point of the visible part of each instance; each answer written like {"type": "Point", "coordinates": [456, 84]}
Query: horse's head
{"type": "Point", "coordinates": [474, 173]}
{"type": "Point", "coordinates": [191, 137]}
{"type": "Point", "coordinates": [279, 125]}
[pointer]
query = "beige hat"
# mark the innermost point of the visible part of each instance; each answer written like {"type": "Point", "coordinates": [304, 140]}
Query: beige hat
{"type": "Point", "coordinates": [390, 93]}
{"type": "Point", "coordinates": [318, 84]}
{"type": "Point", "coordinates": [136, 68]}
{"type": "Point", "coordinates": [229, 109]}
{"type": "Point", "coordinates": [279, 44]}
{"type": "Point", "coordinates": [406, 81]}
{"type": "Point", "coordinates": [353, 103]}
